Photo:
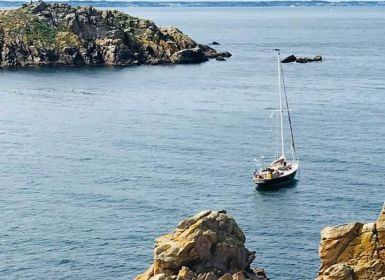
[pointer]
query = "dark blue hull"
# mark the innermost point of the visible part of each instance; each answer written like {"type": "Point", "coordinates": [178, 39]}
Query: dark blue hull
{"type": "Point", "coordinates": [276, 183]}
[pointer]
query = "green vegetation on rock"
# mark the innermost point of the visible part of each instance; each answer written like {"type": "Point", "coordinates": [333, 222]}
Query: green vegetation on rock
{"type": "Point", "coordinates": [66, 39]}
{"type": "Point", "coordinates": [40, 31]}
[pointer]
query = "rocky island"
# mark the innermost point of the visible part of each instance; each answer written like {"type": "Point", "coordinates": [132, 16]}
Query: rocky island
{"type": "Point", "coordinates": [207, 246]}
{"type": "Point", "coordinates": [39, 34]}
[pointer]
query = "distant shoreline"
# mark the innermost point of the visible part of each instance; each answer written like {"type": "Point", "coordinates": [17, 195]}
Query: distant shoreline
{"type": "Point", "coordinates": [103, 3]}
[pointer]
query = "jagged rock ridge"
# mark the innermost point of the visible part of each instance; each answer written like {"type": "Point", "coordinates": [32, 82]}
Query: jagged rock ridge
{"type": "Point", "coordinates": [58, 34]}
{"type": "Point", "coordinates": [207, 246]}
{"type": "Point", "coordinates": [353, 251]}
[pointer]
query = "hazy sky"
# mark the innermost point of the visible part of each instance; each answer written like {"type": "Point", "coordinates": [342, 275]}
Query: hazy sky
{"type": "Point", "coordinates": [199, 0]}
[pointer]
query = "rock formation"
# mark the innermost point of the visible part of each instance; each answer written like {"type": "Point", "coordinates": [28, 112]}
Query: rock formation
{"type": "Point", "coordinates": [293, 58]}
{"type": "Point", "coordinates": [58, 34]}
{"type": "Point", "coordinates": [353, 251]}
{"type": "Point", "coordinates": [207, 246]}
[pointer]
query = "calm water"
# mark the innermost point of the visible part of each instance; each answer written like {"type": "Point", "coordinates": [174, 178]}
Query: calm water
{"type": "Point", "coordinates": [96, 163]}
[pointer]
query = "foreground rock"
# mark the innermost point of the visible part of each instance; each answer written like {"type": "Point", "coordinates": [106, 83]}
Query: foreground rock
{"type": "Point", "coordinates": [293, 58]}
{"type": "Point", "coordinates": [58, 34]}
{"type": "Point", "coordinates": [207, 246]}
{"type": "Point", "coordinates": [354, 251]}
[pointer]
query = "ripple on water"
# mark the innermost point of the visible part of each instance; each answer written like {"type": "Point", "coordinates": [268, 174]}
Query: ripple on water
{"type": "Point", "coordinates": [96, 163]}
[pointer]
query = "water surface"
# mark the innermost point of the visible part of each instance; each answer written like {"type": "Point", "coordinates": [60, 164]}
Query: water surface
{"type": "Point", "coordinates": [96, 163]}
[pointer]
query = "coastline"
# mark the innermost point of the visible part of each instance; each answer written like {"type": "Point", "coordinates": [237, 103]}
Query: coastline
{"type": "Point", "coordinates": [207, 4]}
{"type": "Point", "coordinates": [43, 34]}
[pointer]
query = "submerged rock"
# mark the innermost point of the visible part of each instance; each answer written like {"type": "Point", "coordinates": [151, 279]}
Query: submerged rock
{"type": "Point", "coordinates": [293, 58]}
{"type": "Point", "coordinates": [58, 34]}
{"type": "Point", "coordinates": [225, 54]}
{"type": "Point", "coordinates": [353, 251]}
{"type": "Point", "coordinates": [207, 246]}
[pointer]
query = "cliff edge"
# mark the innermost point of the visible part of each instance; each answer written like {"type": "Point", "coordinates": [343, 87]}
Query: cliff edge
{"type": "Point", "coordinates": [353, 251]}
{"type": "Point", "coordinates": [58, 34]}
{"type": "Point", "coordinates": [207, 246]}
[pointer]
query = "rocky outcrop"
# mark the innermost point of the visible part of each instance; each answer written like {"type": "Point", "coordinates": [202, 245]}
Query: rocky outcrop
{"type": "Point", "coordinates": [353, 251]}
{"type": "Point", "coordinates": [58, 34]}
{"type": "Point", "coordinates": [293, 58]}
{"type": "Point", "coordinates": [187, 56]}
{"type": "Point", "coordinates": [207, 246]}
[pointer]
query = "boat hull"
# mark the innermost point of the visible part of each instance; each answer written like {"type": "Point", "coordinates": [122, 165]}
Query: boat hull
{"type": "Point", "coordinates": [276, 183]}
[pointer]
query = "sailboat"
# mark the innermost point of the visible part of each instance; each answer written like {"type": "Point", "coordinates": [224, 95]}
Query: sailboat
{"type": "Point", "coordinates": [282, 170]}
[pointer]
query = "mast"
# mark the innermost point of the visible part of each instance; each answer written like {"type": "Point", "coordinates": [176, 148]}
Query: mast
{"type": "Point", "coordinates": [289, 118]}
{"type": "Point", "coordinates": [280, 102]}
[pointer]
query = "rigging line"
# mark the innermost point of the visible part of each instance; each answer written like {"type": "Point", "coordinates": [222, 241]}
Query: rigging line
{"type": "Point", "coordinates": [288, 114]}
{"type": "Point", "coordinates": [275, 134]}
{"type": "Point", "coordinates": [275, 126]}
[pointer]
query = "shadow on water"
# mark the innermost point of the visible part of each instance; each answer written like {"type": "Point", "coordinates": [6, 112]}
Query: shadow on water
{"type": "Point", "coordinates": [65, 68]}
{"type": "Point", "coordinates": [278, 188]}
{"type": "Point", "coordinates": [33, 69]}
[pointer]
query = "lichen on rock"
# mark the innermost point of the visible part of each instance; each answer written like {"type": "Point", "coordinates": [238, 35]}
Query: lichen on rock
{"type": "Point", "coordinates": [207, 246]}
{"type": "Point", "coordinates": [353, 251]}
{"type": "Point", "coordinates": [59, 34]}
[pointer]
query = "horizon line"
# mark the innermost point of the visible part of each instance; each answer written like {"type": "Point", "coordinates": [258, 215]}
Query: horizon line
{"type": "Point", "coordinates": [209, 3]}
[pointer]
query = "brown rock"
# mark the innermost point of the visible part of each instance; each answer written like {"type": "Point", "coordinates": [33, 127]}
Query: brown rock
{"type": "Point", "coordinates": [239, 276]}
{"type": "Point", "coordinates": [160, 276]}
{"type": "Point", "coordinates": [339, 271]}
{"type": "Point", "coordinates": [226, 276]}
{"type": "Point", "coordinates": [207, 246]}
{"type": "Point", "coordinates": [208, 276]}
{"type": "Point", "coordinates": [185, 273]}
{"type": "Point", "coordinates": [334, 240]}
{"type": "Point", "coordinates": [147, 274]}
{"type": "Point", "coordinates": [381, 218]}
{"type": "Point", "coordinates": [353, 251]}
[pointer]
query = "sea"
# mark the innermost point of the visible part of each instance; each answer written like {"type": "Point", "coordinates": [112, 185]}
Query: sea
{"type": "Point", "coordinates": [96, 163]}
